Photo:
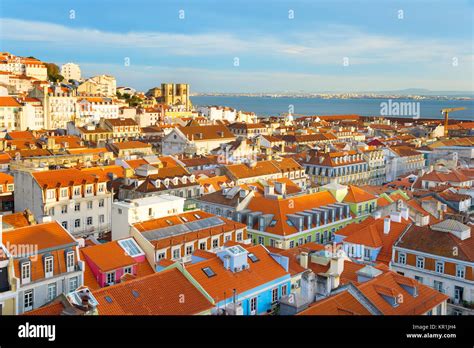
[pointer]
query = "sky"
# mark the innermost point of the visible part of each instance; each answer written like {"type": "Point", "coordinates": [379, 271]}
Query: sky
{"type": "Point", "coordinates": [252, 46]}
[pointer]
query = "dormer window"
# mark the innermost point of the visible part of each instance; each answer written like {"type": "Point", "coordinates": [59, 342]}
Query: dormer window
{"type": "Point", "coordinates": [101, 188]}
{"type": "Point", "coordinates": [89, 189]}
{"type": "Point", "coordinates": [70, 261]}
{"type": "Point", "coordinates": [48, 266]}
{"type": "Point", "coordinates": [50, 194]}
{"type": "Point", "coordinates": [26, 272]}
{"type": "Point", "coordinates": [64, 193]}
{"type": "Point", "coordinates": [77, 191]}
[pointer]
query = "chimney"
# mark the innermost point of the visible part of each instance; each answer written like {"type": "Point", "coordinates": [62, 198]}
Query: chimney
{"type": "Point", "coordinates": [386, 225]}
{"type": "Point", "coordinates": [335, 269]}
{"type": "Point", "coordinates": [404, 212]}
{"type": "Point", "coordinates": [280, 187]}
{"type": "Point", "coordinates": [304, 260]}
{"type": "Point", "coordinates": [396, 216]}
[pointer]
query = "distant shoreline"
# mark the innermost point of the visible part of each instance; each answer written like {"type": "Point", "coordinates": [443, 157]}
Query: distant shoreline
{"type": "Point", "coordinates": [348, 96]}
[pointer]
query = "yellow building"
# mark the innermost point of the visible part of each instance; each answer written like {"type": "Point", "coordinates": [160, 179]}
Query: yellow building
{"type": "Point", "coordinates": [176, 94]}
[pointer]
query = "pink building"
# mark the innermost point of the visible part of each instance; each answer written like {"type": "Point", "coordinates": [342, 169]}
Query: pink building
{"type": "Point", "coordinates": [111, 261]}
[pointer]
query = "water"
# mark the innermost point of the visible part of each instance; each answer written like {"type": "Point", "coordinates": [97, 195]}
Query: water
{"type": "Point", "coordinates": [267, 106]}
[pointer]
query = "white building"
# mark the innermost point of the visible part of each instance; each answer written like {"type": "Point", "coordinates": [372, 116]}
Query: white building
{"type": "Point", "coordinates": [80, 202]}
{"type": "Point", "coordinates": [92, 109]}
{"type": "Point", "coordinates": [127, 212]}
{"type": "Point", "coordinates": [215, 113]}
{"type": "Point", "coordinates": [101, 85]}
{"type": "Point", "coordinates": [71, 71]}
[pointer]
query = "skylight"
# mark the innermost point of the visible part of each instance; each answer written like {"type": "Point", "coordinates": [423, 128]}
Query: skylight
{"type": "Point", "coordinates": [135, 293]}
{"type": "Point", "coordinates": [209, 272]}
{"type": "Point", "coordinates": [197, 216]}
{"type": "Point", "coordinates": [131, 247]}
{"type": "Point", "coordinates": [253, 257]}
{"type": "Point", "coordinates": [108, 299]}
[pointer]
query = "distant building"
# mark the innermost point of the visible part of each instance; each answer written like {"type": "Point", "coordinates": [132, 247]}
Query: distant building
{"type": "Point", "coordinates": [71, 71]}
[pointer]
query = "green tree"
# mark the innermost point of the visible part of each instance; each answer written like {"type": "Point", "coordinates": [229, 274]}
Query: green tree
{"type": "Point", "coordinates": [53, 72]}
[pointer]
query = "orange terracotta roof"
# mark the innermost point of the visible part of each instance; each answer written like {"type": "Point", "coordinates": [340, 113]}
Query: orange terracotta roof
{"type": "Point", "coordinates": [108, 256]}
{"type": "Point", "coordinates": [357, 195]}
{"type": "Point", "coordinates": [157, 294]}
{"type": "Point", "coordinates": [103, 172]}
{"type": "Point", "coordinates": [221, 285]}
{"type": "Point", "coordinates": [343, 303]}
{"type": "Point", "coordinates": [16, 220]}
{"type": "Point", "coordinates": [281, 207]}
{"type": "Point", "coordinates": [370, 233]}
{"type": "Point", "coordinates": [9, 102]}
{"type": "Point", "coordinates": [390, 284]}
{"type": "Point", "coordinates": [64, 177]}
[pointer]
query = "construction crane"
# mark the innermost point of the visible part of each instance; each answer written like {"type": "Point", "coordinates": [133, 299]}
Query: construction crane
{"type": "Point", "coordinates": [446, 112]}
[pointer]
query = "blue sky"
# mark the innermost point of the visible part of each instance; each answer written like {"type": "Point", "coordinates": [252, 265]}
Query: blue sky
{"type": "Point", "coordinates": [274, 52]}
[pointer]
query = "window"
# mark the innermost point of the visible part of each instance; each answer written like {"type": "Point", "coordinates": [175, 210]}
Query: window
{"type": "Point", "coordinates": [110, 278]}
{"type": "Point", "coordinates": [176, 253]}
{"type": "Point", "coordinates": [226, 238]}
{"type": "Point", "coordinates": [101, 203]}
{"type": "Point", "coordinates": [458, 294]}
{"type": "Point", "coordinates": [51, 291]}
{"type": "Point", "coordinates": [120, 211]}
{"type": "Point", "coordinates": [460, 271]}
{"type": "Point", "coordinates": [272, 242]}
{"type": "Point", "coordinates": [439, 266]}
{"type": "Point", "coordinates": [89, 220]}
{"type": "Point", "coordinates": [77, 207]}
{"type": "Point", "coordinates": [101, 188]}
{"type": "Point", "coordinates": [25, 272]}
{"type": "Point", "coordinates": [274, 295]}
{"type": "Point", "coordinates": [89, 205]}
{"type": "Point", "coordinates": [419, 279]}
{"type": "Point", "coordinates": [239, 236]}
{"type": "Point", "coordinates": [64, 224]}
{"type": "Point", "coordinates": [292, 244]}
{"type": "Point", "coordinates": [89, 189]}
{"type": "Point", "coordinates": [284, 290]}
{"type": "Point", "coordinates": [437, 285]}
{"type": "Point", "coordinates": [300, 241]}
{"type": "Point", "coordinates": [402, 258]}
{"type": "Point", "coordinates": [261, 240]}
{"type": "Point", "coordinates": [253, 305]}
{"type": "Point", "coordinates": [420, 262]}
{"type": "Point", "coordinates": [77, 223]}
{"type": "Point", "coordinates": [189, 250]}
{"type": "Point", "coordinates": [64, 209]}
{"type": "Point", "coordinates": [28, 300]}
{"type": "Point", "coordinates": [161, 256]}
{"type": "Point", "coordinates": [64, 193]}
{"type": "Point", "coordinates": [215, 243]}
{"type": "Point", "coordinates": [150, 211]}
{"type": "Point", "coordinates": [70, 259]}
{"type": "Point", "coordinates": [202, 245]}
{"type": "Point", "coordinates": [127, 270]}
{"type": "Point", "coordinates": [48, 266]}
{"type": "Point", "coordinates": [77, 191]}
{"type": "Point", "coordinates": [102, 218]}
{"type": "Point", "coordinates": [366, 253]}
{"type": "Point", "coordinates": [50, 194]}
